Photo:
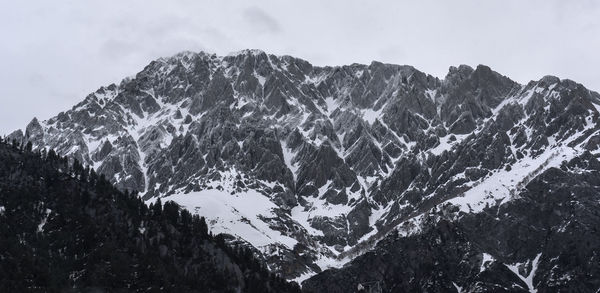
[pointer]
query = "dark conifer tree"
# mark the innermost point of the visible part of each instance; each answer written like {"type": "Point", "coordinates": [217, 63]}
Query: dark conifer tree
{"type": "Point", "coordinates": [79, 233]}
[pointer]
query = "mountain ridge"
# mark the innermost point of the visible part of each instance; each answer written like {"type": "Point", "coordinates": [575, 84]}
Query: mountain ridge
{"type": "Point", "coordinates": [340, 155]}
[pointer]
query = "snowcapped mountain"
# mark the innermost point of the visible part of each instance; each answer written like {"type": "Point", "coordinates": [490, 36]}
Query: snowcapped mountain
{"type": "Point", "coordinates": [313, 165]}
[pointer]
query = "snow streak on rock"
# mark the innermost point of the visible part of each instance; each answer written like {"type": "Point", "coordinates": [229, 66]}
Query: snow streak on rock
{"type": "Point", "coordinates": [312, 165]}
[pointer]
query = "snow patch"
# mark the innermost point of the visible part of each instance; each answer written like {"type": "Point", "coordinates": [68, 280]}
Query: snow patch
{"type": "Point", "coordinates": [40, 227]}
{"type": "Point", "coordinates": [486, 258]}
{"type": "Point", "coordinates": [459, 289]}
{"type": "Point", "coordinates": [237, 214]}
{"type": "Point", "coordinates": [261, 79]}
{"type": "Point", "coordinates": [431, 94]}
{"type": "Point", "coordinates": [288, 158]}
{"type": "Point", "coordinates": [529, 278]}
{"type": "Point", "coordinates": [503, 184]}
{"type": "Point", "coordinates": [332, 105]}
{"type": "Point", "coordinates": [446, 143]}
{"type": "Point", "coordinates": [370, 115]}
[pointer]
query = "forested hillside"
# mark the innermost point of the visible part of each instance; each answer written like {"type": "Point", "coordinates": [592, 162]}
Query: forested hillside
{"type": "Point", "coordinates": [64, 228]}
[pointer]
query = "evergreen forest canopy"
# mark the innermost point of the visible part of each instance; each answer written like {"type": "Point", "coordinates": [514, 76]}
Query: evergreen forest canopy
{"type": "Point", "coordinates": [66, 228]}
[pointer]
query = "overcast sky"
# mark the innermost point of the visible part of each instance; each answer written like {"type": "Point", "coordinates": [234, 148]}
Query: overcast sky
{"type": "Point", "coordinates": [54, 53]}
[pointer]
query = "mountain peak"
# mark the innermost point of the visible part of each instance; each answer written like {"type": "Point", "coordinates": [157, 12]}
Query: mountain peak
{"type": "Point", "coordinates": [313, 162]}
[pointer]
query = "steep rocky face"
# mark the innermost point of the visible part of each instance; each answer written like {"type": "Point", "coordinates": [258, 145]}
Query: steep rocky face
{"type": "Point", "coordinates": [546, 239]}
{"type": "Point", "coordinates": [312, 165]}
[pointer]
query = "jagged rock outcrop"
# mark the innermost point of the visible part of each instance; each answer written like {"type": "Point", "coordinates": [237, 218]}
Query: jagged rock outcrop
{"type": "Point", "coordinates": [318, 163]}
{"type": "Point", "coordinates": [545, 240]}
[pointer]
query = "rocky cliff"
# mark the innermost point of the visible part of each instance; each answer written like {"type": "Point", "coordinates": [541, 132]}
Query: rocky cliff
{"type": "Point", "coordinates": [313, 165]}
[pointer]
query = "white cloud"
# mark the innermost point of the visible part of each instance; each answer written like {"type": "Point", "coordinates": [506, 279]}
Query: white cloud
{"type": "Point", "coordinates": [261, 21]}
{"type": "Point", "coordinates": [53, 53]}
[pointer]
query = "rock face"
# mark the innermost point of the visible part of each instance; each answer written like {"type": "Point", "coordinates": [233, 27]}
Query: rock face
{"type": "Point", "coordinates": [313, 165]}
{"type": "Point", "coordinates": [546, 239]}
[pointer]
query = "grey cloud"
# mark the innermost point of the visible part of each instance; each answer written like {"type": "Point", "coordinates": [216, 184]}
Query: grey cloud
{"type": "Point", "coordinates": [392, 53]}
{"type": "Point", "coordinates": [57, 52]}
{"type": "Point", "coordinates": [117, 49]}
{"type": "Point", "coordinates": [261, 21]}
{"type": "Point", "coordinates": [36, 79]}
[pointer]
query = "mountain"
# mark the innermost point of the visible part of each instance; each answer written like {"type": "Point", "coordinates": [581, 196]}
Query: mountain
{"type": "Point", "coordinates": [312, 166]}
{"type": "Point", "coordinates": [64, 229]}
{"type": "Point", "coordinates": [545, 240]}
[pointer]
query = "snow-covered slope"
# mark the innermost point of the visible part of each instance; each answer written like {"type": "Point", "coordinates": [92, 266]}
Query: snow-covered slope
{"type": "Point", "coordinates": [312, 165]}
